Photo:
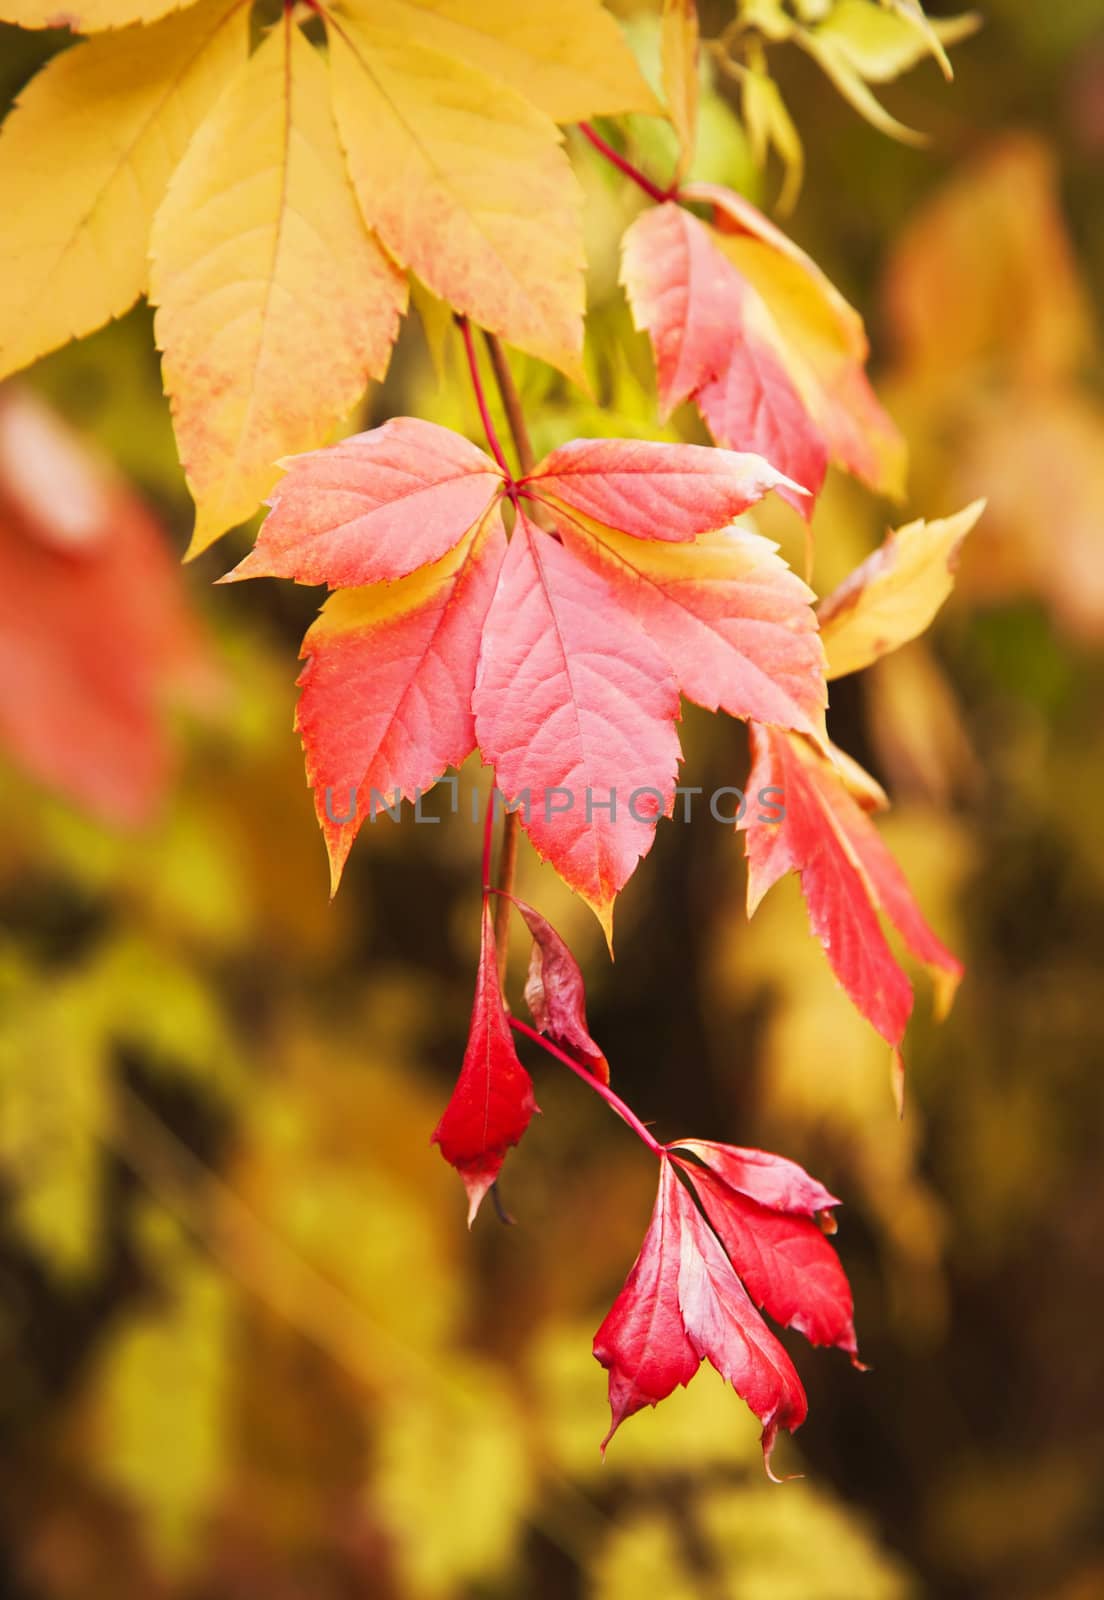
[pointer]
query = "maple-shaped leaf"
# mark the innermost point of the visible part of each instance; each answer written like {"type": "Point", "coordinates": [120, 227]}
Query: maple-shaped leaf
{"type": "Point", "coordinates": [893, 595]}
{"type": "Point", "coordinates": [465, 182]}
{"type": "Point", "coordinates": [744, 323]}
{"type": "Point", "coordinates": [555, 994]}
{"type": "Point", "coordinates": [575, 708]}
{"type": "Point", "coordinates": [682, 1303]}
{"type": "Point", "coordinates": [275, 303]}
{"type": "Point", "coordinates": [386, 702]}
{"type": "Point", "coordinates": [374, 507]}
{"type": "Point", "coordinates": [85, 158]}
{"type": "Point", "coordinates": [762, 1208]}
{"type": "Point", "coordinates": [847, 876]}
{"type": "Point", "coordinates": [95, 629]}
{"type": "Point", "coordinates": [492, 1102]}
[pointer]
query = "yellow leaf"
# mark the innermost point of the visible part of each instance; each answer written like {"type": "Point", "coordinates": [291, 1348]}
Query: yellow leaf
{"type": "Point", "coordinates": [84, 160]}
{"type": "Point", "coordinates": [679, 56]}
{"type": "Point", "coordinates": [274, 303]}
{"type": "Point", "coordinates": [466, 183]}
{"type": "Point", "coordinates": [769, 125]}
{"type": "Point", "coordinates": [882, 44]}
{"type": "Point", "coordinates": [568, 57]}
{"type": "Point", "coordinates": [85, 16]}
{"type": "Point", "coordinates": [895, 593]}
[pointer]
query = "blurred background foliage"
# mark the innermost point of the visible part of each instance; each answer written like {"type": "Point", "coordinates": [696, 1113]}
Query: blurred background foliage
{"type": "Point", "coordinates": [246, 1345]}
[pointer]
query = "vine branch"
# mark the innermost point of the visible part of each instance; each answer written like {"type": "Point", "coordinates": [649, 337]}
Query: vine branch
{"type": "Point", "coordinates": [624, 165]}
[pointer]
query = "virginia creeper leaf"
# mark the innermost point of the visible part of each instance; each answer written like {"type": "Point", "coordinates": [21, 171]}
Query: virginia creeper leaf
{"type": "Point", "coordinates": [85, 157]}
{"type": "Point", "coordinates": [275, 303]}
{"type": "Point", "coordinates": [847, 875]}
{"type": "Point", "coordinates": [772, 1181]}
{"type": "Point", "coordinates": [733, 622]}
{"type": "Point", "coordinates": [574, 705]}
{"type": "Point", "coordinates": [465, 182]}
{"type": "Point", "coordinates": [387, 688]}
{"type": "Point", "coordinates": [374, 507]}
{"type": "Point", "coordinates": [95, 629]}
{"type": "Point", "coordinates": [679, 65]}
{"type": "Point", "coordinates": [568, 57]}
{"type": "Point", "coordinates": [555, 994]}
{"type": "Point", "coordinates": [894, 594]}
{"type": "Point", "coordinates": [492, 1102]}
{"type": "Point", "coordinates": [653, 490]}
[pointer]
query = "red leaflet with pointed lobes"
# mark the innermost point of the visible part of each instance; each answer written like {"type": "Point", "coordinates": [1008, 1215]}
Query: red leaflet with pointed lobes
{"type": "Point", "coordinates": [386, 691]}
{"type": "Point", "coordinates": [847, 875]}
{"type": "Point", "coordinates": [374, 507]}
{"type": "Point", "coordinates": [555, 994]}
{"type": "Point", "coordinates": [574, 703]}
{"type": "Point", "coordinates": [654, 490]}
{"type": "Point", "coordinates": [492, 1102]}
{"type": "Point", "coordinates": [770, 1180]}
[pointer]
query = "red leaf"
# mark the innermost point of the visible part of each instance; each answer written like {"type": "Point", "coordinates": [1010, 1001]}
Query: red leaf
{"type": "Point", "coordinates": [683, 1302]}
{"type": "Point", "coordinates": [386, 702]}
{"type": "Point", "coordinates": [709, 331]}
{"type": "Point", "coordinates": [642, 1343]}
{"type": "Point", "coordinates": [847, 875]}
{"type": "Point", "coordinates": [374, 507]}
{"type": "Point", "coordinates": [732, 620]}
{"type": "Point", "coordinates": [770, 1180]}
{"type": "Point", "coordinates": [781, 1256]}
{"type": "Point", "coordinates": [96, 633]}
{"type": "Point", "coordinates": [653, 490]}
{"type": "Point", "coordinates": [492, 1102]}
{"type": "Point", "coordinates": [572, 702]}
{"type": "Point", "coordinates": [555, 994]}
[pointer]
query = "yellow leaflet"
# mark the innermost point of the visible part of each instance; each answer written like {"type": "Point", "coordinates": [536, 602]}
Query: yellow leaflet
{"type": "Point", "coordinates": [882, 44]}
{"type": "Point", "coordinates": [85, 16]}
{"type": "Point", "coordinates": [85, 157]}
{"type": "Point", "coordinates": [679, 57]}
{"type": "Point", "coordinates": [895, 593]}
{"type": "Point", "coordinates": [568, 57]}
{"type": "Point", "coordinates": [768, 125]}
{"type": "Point", "coordinates": [466, 183]}
{"type": "Point", "coordinates": [275, 305]}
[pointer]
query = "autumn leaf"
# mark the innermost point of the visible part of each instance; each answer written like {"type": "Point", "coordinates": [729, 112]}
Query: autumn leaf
{"type": "Point", "coordinates": [465, 182]}
{"type": "Point", "coordinates": [275, 305]}
{"type": "Point", "coordinates": [85, 16]}
{"type": "Point", "coordinates": [95, 631]}
{"type": "Point", "coordinates": [386, 702]}
{"type": "Point", "coordinates": [744, 323]}
{"type": "Point", "coordinates": [85, 158]}
{"type": "Point", "coordinates": [847, 877]}
{"type": "Point", "coordinates": [555, 994]}
{"type": "Point", "coordinates": [492, 1102]}
{"type": "Point", "coordinates": [679, 64]}
{"type": "Point", "coordinates": [892, 596]}
{"type": "Point", "coordinates": [576, 709]}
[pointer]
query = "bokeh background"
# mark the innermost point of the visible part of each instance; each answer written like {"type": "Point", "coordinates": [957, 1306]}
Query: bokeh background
{"type": "Point", "coordinates": [247, 1346]}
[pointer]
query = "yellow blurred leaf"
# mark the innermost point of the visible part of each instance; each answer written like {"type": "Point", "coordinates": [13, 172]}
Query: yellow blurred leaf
{"type": "Point", "coordinates": [679, 56]}
{"type": "Point", "coordinates": [85, 16]}
{"type": "Point", "coordinates": [275, 305]}
{"type": "Point", "coordinates": [881, 44]}
{"type": "Point", "coordinates": [84, 160]}
{"type": "Point", "coordinates": [770, 126]}
{"type": "Point", "coordinates": [465, 182]}
{"type": "Point", "coordinates": [894, 594]}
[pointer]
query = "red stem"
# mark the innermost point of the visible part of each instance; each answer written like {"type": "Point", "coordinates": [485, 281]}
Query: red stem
{"type": "Point", "coordinates": [611, 1099]}
{"type": "Point", "coordinates": [481, 399]}
{"type": "Point", "coordinates": [624, 165]}
{"type": "Point", "coordinates": [488, 834]}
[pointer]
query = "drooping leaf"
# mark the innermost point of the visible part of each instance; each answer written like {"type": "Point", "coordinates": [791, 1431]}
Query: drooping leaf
{"type": "Point", "coordinates": [95, 628]}
{"type": "Point", "coordinates": [847, 876]}
{"type": "Point", "coordinates": [492, 1102]}
{"type": "Point", "coordinates": [769, 1180]}
{"type": "Point", "coordinates": [653, 490]}
{"type": "Point", "coordinates": [85, 157]}
{"type": "Point", "coordinates": [733, 622]}
{"type": "Point", "coordinates": [555, 994]}
{"type": "Point", "coordinates": [568, 57]}
{"type": "Point", "coordinates": [374, 507]}
{"type": "Point", "coordinates": [893, 595]}
{"type": "Point", "coordinates": [576, 709]}
{"type": "Point", "coordinates": [770, 126]}
{"type": "Point", "coordinates": [465, 182]}
{"type": "Point", "coordinates": [882, 41]}
{"type": "Point", "coordinates": [275, 305]}
{"type": "Point", "coordinates": [386, 702]}
{"type": "Point", "coordinates": [679, 62]}
{"type": "Point", "coordinates": [781, 1256]}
